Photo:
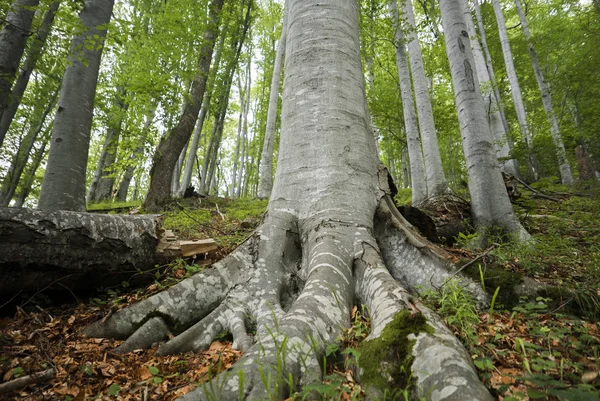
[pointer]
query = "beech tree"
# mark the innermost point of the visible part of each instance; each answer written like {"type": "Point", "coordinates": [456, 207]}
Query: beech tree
{"type": "Point", "coordinates": [330, 235]}
{"type": "Point", "coordinates": [63, 187]}
{"type": "Point", "coordinates": [491, 207]}
{"type": "Point", "coordinates": [563, 163]}
{"type": "Point", "coordinates": [413, 138]}
{"type": "Point", "coordinates": [13, 37]}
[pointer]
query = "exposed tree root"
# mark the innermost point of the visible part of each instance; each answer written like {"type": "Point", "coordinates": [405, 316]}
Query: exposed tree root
{"type": "Point", "coordinates": [287, 292]}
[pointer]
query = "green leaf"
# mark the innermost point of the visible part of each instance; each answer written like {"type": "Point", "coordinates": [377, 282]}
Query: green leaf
{"type": "Point", "coordinates": [535, 394]}
{"type": "Point", "coordinates": [114, 389]}
{"type": "Point", "coordinates": [153, 370]}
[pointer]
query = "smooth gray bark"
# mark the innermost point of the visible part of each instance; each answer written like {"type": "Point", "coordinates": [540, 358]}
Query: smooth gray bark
{"type": "Point", "coordinates": [491, 207]}
{"type": "Point", "coordinates": [566, 175]}
{"type": "Point", "coordinates": [13, 38]}
{"type": "Point", "coordinates": [265, 184]}
{"type": "Point", "coordinates": [31, 169]}
{"type": "Point", "coordinates": [244, 137]}
{"type": "Point", "coordinates": [63, 187]}
{"type": "Point", "coordinates": [297, 277]}
{"type": "Point", "coordinates": [418, 180]}
{"type": "Point", "coordinates": [492, 107]}
{"type": "Point", "coordinates": [515, 90]}
{"type": "Point", "coordinates": [436, 179]}
{"type": "Point", "coordinates": [35, 50]}
{"type": "Point", "coordinates": [12, 178]}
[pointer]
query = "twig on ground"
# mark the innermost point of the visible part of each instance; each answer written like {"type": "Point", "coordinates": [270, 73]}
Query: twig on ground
{"type": "Point", "coordinates": [27, 380]}
{"type": "Point", "coordinates": [484, 254]}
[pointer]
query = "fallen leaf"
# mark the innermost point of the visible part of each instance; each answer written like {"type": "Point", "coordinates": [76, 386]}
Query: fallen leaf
{"type": "Point", "coordinates": [589, 376]}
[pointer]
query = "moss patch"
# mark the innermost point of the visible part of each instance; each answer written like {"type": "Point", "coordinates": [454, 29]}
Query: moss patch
{"type": "Point", "coordinates": [495, 277]}
{"type": "Point", "coordinates": [386, 360]}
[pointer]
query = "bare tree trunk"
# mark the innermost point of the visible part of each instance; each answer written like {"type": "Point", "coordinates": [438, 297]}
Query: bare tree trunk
{"type": "Point", "coordinates": [170, 149]}
{"type": "Point", "coordinates": [265, 185]}
{"type": "Point", "coordinates": [486, 84]}
{"type": "Point", "coordinates": [11, 181]}
{"type": "Point", "coordinates": [32, 169]}
{"type": "Point", "coordinates": [566, 175]}
{"type": "Point", "coordinates": [491, 207]}
{"type": "Point", "coordinates": [63, 187]}
{"type": "Point", "coordinates": [244, 138]}
{"type": "Point", "coordinates": [35, 50]}
{"type": "Point", "coordinates": [436, 179]}
{"type": "Point", "coordinates": [13, 37]}
{"type": "Point", "coordinates": [103, 182]}
{"type": "Point", "coordinates": [515, 90]}
{"type": "Point", "coordinates": [191, 159]}
{"type": "Point", "coordinates": [133, 158]}
{"type": "Point", "coordinates": [418, 180]}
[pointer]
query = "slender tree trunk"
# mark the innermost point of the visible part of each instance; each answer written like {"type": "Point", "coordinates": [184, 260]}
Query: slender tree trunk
{"type": "Point", "coordinates": [245, 127]}
{"type": "Point", "coordinates": [11, 181]}
{"type": "Point", "coordinates": [265, 184]}
{"type": "Point", "coordinates": [491, 207]}
{"type": "Point", "coordinates": [170, 148]}
{"type": "Point", "coordinates": [191, 159]}
{"type": "Point", "coordinates": [497, 127]}
{"type": "Point", "coordinates": [566, 175]}
{"type": "Point", "coordinates": [39, 155]}
{"type": "Point", "coordinates": [236, 155]}
{"type": "Point", "coordinates": [515, 90]}
{"type": "Point", "coordinates": [63, 187]}
{"type": "Point", "coordinates": [102, 183]}
{"type": "Point", "coordinates": [35, 50]}
{"type": "Point", "coordinates": [13, 37]}
{"type": "Point", "coordinates": [490, 67]}
{"type": "Point", "coordinates": [436, 180]}
{"type": "Point", "coordinates": [133, 159]}
{"type": "Point", "coordinates": [418, 180]}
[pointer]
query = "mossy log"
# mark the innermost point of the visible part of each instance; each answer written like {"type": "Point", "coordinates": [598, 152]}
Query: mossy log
{"type": "Point", "coordinates": [79, 251]}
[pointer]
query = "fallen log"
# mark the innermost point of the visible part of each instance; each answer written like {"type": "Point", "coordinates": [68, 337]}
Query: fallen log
{"type": "Point", "coordinates": [82, 251]}
{"type": "Point", "coordinates": [21, 382]}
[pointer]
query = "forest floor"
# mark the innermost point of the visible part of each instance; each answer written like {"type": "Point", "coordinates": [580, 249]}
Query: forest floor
{"type": "Point", "coordinates": [528, 352]}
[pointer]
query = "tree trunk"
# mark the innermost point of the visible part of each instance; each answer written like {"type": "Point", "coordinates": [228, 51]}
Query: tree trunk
{"type": "Point", "coordinates": [265, 184]}
{"type": "Point", "coordinates": [27, 184]}
{"type": "Point", "coordinates": [191, 159]}
{"type": "Point", "coordinates": [297, 278]}
{"type": "Point", "coordinates": [102, 184]}
{"type": "Point", "coordinates": [244, 138]}
{"type": "Point", "coordinates": [436, 179]}
{"type": "Point", "coordinates": [585, 165]}
{"type": "Point", "coordinates": [170, 148]}
{"type": "Point", "coordinates": [515, 90]}
{"type": "Point", "coordinates": [418, 180]}
{"type": "Point", "coordinates": [11, 181]}
{"type": "Point", "coordinates": [491, 207]}
{"type": "Point", "coordinates": [492, 107]}
{"type": "Point", "coordinates": [63, 187]}
{"type": "Point", "coordinates": [133, 158]}
{"type": "Point", "coordinates": [13, 37]}
{"type": "Point", "coordinates": [566, 175]}
{"type": "Point", "coordinates": [35, 50]}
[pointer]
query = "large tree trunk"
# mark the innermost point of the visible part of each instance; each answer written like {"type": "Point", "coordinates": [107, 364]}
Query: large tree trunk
{"type": "Point", "coordinates": [63, 187]}
{"type": "Point", "coordinates": [492, 106]}
{"type": "Point", "coordinates": [13, 37]}
{"type": "Point", "coordinates": [418, 180]}
{"type": "Point", "coordinates": [35, 50]}
{"type": "Point", "coordinates": [170, 148]}
{"type": "Point", "coordinates": [566, 175]}
{"type": "Point", "coordinates": [492, 210]}
{"type": "Point", "coordinates": [436, 179]}
{"type": "Point", "coordinates": [296, 279]}
{"type": "Point", "coordinates": [265, 185]}
{"type": "Point", "coordinates": [515, 90]}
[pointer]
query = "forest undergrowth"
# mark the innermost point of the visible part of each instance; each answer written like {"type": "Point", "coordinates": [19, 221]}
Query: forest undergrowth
{"type": "Point", "coordinates": [532, 350]}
